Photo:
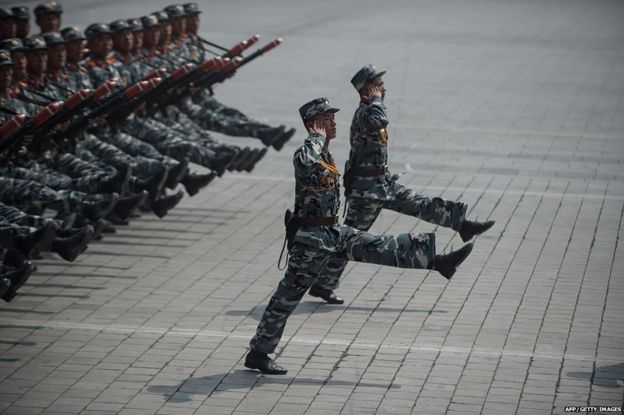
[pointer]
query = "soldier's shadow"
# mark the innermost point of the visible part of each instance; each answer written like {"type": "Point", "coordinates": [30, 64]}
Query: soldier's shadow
{"type": "Point", "coordinates": [611, 376]}
{"type": "Point", "coordinates": [307, 307]}
{"type": "Point", "coordinates": [243, 379]}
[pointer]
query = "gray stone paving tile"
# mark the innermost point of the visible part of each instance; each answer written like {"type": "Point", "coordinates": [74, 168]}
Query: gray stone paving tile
{"type": "Point", "coordinates": [521, 118]}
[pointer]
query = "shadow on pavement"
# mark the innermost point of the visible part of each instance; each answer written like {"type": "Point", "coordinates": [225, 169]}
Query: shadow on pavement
{"type": "Point", "coordinates": [307, 307]}
{"type": "Point", "coordinates": [611, 376]}
{"type": "Point", "coordinates": [18, 343]}
{"type": "Point", "coordinates": [243, 379]}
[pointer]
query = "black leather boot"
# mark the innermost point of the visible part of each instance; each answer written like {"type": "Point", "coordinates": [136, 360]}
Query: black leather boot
{"type": "Point", "coordinates": [447, 264]}
{"type": "Point", "coordinates": [125, 205]}
{"type": "Point", "coordinates": [263, 363]}
{"type": "Point", "coordinates": [69, 248]}
{"type": "Point", "coordinates": [469, 229]}
{"type": "Point", "coordinates": [177, 173]}
{"type": "Point", "coordinates": [18, 278]}
{"type": "Point", "coordinates": [193, 182]}
{"type": "Point", "coordinates": [278, 144]}
{"type": "Point", "coordinates": [100, 208]}
{"type": "Point", "coordinates": [258, 155]}
{"type": "Point", "coordinates": [164, 204]}
{"type": "Point", "coordinates": [269, 135]}
{"type": "Point", "coordinates": [328, 295]}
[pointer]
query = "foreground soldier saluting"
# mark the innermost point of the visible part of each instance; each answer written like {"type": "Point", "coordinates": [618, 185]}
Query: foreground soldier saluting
{"type": "Point", "coordinates": [369, 187]}
{"type": "Point", "coordinates": [314, 236]}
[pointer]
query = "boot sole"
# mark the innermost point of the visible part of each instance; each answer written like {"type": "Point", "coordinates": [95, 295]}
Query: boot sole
{"type": "Point", "coordinates": [265, 372]}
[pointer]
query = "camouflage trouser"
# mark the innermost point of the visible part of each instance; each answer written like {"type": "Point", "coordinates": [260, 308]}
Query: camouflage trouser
{"type": "Point", "coordinates": [49, 177]}
{"type": "Point", "coordinates": [136, 147]}
{"type": "Point", "coordinates": [8, 231]}
{"type": "Point", "coordinates": [14, 215]}
{"type": "Point", "coordinates": [70, 165]}
{"type": "Point", "coordinates": [361, 214]}
{"type": "Point", "coordinates": [141, 166]}
{"type": "Point", "coordinates": [307, 262]}
{"type": "Point", "coordinates": [27, 193]}
{"type": "Point", "coordinates": [168, 142]}
{"type": "Point", "coordinates": [86, 161]}
{"type": "Point", "coordinates": [212, 115]}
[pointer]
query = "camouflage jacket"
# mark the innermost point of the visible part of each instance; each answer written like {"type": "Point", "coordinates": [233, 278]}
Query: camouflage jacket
{"type": "Point", "coordinates": [193, 49]}
{"type": "Point", "coordinates": [130, 69]}
{"type": "Point", "coordinates": [12, 103]}
{"type": "Point", "coordinates": [317, 194]}
{"type": "Point", "coordinates": [101, 70]}
{"type": "Point", "coordinates": [76, 77]}
{"type": "Point", "coordinates": [369, 148]}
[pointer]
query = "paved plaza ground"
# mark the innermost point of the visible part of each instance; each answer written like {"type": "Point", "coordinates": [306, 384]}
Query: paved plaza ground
{"type": "Point", "coordinates": [514, 107]}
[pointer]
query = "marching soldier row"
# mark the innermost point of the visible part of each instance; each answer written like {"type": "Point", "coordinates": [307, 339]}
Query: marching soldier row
{"type": "Point", "coordinates": [96, 138]}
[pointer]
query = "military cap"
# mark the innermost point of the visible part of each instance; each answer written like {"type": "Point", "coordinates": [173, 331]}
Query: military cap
{"type": "Point", "coordinates": [5, 58]}
{"type": "Point", "coordinates": [35, 43]}
{"type": "Point", "coordinates": [175, 10]}
{"type": "Point", "coordinates": [367, 73]}
{"type": "Point", "coordinates": [21, 12]}
{"type": "Point", "coordinates": [149, 21]}
{"type": "Point", "coordinates": [119, 25]}
{"type": "Point", "coordinates": [316, 107]}
{"type": "Point", "coordinates": [97, 29]}
{"type": "Point", "coordinates": [49, 7]}
{"type": "Point", "coordinates": [72, 33]}
{"type": "Point", "coordinates": [191, 8]}
{"type": "Point", "coordinates": [5, 14]}
{"type": "Point", "coordinates": [12, 45]}
{"type": "Point", "coordinates": [53, 38]}
{"type": "Point", "coordinates": [135, 24]}
{"type": "Point", "coordinates": [162, 16]}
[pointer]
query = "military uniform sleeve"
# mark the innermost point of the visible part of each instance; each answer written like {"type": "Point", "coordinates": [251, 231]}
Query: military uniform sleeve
{"type": "Point", "coordinates": [373, 117]}
{"type": "Point", "coordinates": [307, 158]}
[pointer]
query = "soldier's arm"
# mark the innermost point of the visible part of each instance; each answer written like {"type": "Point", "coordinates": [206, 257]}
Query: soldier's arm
{"type": "Point", "coordinates": [308, 156]}
{"type": "Point", "coordinates": [373, 117]}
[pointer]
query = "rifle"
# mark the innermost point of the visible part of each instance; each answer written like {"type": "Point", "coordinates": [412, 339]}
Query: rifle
{"type": "Point", "coordinates": [180, 77]}
{"type": "Point", "coordinates": [17, 128]}
{"type": "Point", "coordinates": [210, 69]}
{"type": "Point", "coordinates": [113, 102]}
{"type": "Point", "coordinates": [209, 79]}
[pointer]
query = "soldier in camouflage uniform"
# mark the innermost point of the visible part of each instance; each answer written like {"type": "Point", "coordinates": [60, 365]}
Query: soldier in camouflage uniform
{"type": "Point", "coordinates": [208, 112]}
{"type": "Point", "coordinates": [22, 20]}
{"type": "Point", "coordinates": [152, 137]}
{"type": "Point", "coordinates": [174, 133]}
{"type": "Point", "coordinates": [8, 24]}
{"type": "Point", "coordinates": [317, 236]}
{"type": "Point", "coordinates": [48, 16]}
{"type": "Point", "coordinates": [16, 48]}
{"type": "Point", "coordinates": [369, 187]}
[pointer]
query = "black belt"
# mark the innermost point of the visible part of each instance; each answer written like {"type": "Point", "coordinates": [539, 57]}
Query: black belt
{"type": "Point", "coordinates": [368, 171]}
{"type": "Point", "coordinates": [293, 223]}
{"type": "Point", "coordinates": [315, 221]}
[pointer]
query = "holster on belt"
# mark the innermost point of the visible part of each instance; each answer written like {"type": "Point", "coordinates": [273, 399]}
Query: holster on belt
{"type": "Point", "coordinates": [291, 227]}
{"type": "Point", "coordinates": [347, 178]}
